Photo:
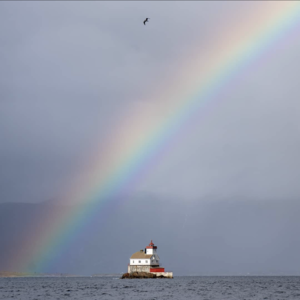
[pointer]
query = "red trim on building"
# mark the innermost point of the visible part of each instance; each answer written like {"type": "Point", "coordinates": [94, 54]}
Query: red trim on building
{"type": "Point", "coordinates": [153, 270]}
{"type": "Point", "coordinates": [151, 246]}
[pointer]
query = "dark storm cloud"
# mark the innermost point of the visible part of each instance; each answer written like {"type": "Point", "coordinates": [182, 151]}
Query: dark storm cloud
{"type": "Point", "coordinates": [212, 237]}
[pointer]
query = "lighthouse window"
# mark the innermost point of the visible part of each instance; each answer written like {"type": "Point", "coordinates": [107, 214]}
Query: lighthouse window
{"type": "Point", "coordinates": [133, 261]}
{"type": "Point", "coordinates": [139, 261]}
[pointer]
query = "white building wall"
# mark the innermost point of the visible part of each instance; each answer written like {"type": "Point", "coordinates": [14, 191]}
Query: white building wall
{"type": "Point", "coordinates": [150, 251]}
{"type": "Point", "coordinates": [139, 262]}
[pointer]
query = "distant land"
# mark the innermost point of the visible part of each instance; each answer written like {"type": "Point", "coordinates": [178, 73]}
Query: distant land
{"type": "Point", "coordinates": [106, 275]}
{"type": "Point", "coordinates": [28, 274]}
{"type": "Point", "coordinates": [25, 274]}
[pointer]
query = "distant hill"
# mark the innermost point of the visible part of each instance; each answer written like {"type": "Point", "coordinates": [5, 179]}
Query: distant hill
{"type": "Point", "coordinates": [24, 274]}
{"type": "Point", "coordinates": [14, 274]}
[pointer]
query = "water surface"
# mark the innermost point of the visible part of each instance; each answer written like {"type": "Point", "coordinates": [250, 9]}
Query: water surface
{"type": "Point", "coordinates": [239, 288]}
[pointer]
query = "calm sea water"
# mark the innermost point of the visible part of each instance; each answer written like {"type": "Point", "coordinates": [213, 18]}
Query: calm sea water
{"type": "Point", "coordinates": [178, 288]}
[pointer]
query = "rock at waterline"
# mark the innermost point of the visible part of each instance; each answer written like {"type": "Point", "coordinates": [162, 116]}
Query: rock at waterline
{"type": "Point", "coordinates": [138, 275]}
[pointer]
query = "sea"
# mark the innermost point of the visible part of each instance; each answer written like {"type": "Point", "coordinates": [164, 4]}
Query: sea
{"type": "Point", "coordinates": [188, 287]}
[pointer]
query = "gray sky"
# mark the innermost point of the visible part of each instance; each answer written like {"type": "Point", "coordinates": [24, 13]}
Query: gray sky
{"type": "Point", "coordinates": [71, 70]}
{"type": "Point", "coordinates": [73, 73]}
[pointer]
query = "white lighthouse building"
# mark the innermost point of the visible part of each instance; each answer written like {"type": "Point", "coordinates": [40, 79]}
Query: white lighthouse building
{"type": "Point", "coordinates": [147, 261]}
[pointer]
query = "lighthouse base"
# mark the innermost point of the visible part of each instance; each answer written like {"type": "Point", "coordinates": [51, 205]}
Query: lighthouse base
{"type": "Point", "coordinates": [132, 269]}
{"type": "Point", "coordinates": [141, 275]}
{"type": "Point", "coordinates": [164, 274]}
{"type": "Point", "coordinates": [158, 271]}
{"type": "Point", "coordinates": [145, 268]}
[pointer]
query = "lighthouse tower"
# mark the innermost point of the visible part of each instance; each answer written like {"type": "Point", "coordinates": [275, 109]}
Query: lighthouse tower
{"type": "Point", "coordinates": [151, 249]}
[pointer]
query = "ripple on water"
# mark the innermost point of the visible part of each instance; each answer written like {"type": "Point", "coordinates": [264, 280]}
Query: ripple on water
{"type": "Point", "coordinates": [225, 288]}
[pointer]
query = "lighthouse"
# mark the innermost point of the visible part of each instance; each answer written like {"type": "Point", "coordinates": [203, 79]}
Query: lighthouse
{"type": "Point", "coordinates": [148, 261]}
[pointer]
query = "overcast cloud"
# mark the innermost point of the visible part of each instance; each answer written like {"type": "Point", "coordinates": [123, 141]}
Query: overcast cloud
{"type": "Point", "coordinates": [227, 185]}
{"type": "Point", "coordinates": [71, 70]}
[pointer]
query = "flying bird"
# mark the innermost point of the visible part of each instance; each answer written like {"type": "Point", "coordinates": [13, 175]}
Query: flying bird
{"type": "Point", "coordinates": [146, 20]}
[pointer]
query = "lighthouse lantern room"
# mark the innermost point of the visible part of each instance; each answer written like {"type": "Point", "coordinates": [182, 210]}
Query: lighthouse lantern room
{"type": "Point", "coordinates": [150, 249]}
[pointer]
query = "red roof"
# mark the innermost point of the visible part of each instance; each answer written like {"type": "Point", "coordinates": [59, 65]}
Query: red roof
{"type": "Point", "coordinates": [151, 246]}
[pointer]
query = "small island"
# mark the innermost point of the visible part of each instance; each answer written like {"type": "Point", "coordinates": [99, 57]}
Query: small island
{"type": "Point", "coordinates": [145, 264]}
{"type": "Point", "coordinates": [140, 275]}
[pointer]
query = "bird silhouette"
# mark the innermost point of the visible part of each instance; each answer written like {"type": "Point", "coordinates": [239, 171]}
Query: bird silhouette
{"type": "Point", "coordinates": [146, 20]}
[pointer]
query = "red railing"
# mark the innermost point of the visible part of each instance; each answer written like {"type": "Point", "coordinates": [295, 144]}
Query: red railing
{"type": "Point", "coordinates": [157, 269]}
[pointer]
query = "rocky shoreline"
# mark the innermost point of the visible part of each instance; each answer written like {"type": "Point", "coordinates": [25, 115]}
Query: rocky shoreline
{"type": "Point", "coordinates": [139, 275]}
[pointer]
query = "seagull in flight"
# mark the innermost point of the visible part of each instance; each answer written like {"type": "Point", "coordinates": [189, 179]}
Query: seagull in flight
{"type": "Point", "coordinates": [146, 20]}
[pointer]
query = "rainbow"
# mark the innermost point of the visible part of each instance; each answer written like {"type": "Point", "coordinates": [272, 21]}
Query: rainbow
{"type": "Point", "coordinates": [116, 169]}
